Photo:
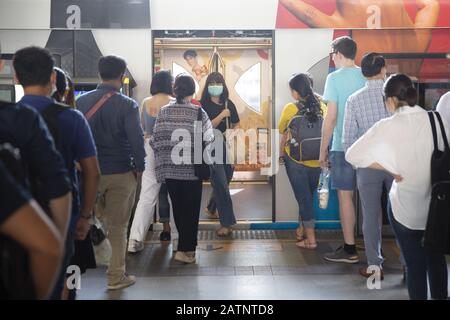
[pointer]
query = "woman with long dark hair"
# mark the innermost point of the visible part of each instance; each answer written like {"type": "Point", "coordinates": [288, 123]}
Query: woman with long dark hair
{"type": "Point", "coordinates": [223, 114]}
{"type": "Point", "coordinates": [152, 191]}
{"type": "Point", "coordinates": [402, 145]}
{"type": "Point", "coordinates": [174, 165]}
{"type": "Point", "coordinates": [64, 88]}
{"type": "Point", "coordinates": [303, 174]}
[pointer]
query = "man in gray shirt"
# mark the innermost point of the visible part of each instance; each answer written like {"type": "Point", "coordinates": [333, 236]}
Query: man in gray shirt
{"type": "Point", "coordinates": [364, 108]}
{"type": "Point", "coordinates": [114, 121]}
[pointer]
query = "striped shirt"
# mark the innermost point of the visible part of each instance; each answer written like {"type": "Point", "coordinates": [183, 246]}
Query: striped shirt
{"type": "Point", "coordinates": [364, 108]}
{"type": "Point", "coordinates": [170, 160]}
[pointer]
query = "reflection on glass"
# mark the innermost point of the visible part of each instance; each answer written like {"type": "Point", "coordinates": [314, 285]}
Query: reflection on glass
{"type": "Point", "coordinates": [248, 87]}
{"type": "Point", "coordinates": [177, 69]}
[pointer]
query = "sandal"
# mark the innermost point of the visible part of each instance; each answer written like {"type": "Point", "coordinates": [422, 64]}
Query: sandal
{"type": "Point", "coordinates": [305, 244]}
{"type": "Point", "coordinates": [300, 233]}
{"type": "Point", "coordinates": [224, 232]}
{"type": "Point", "coordinates": [211, 215]}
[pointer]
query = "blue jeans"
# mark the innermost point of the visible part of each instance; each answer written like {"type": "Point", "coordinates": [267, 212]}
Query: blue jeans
{"type": "Point", "coordinates": [419, 263]}
{"type": "Point", "coordinates": [304, 182]}
{"type": "Point", "coordinates": [220, 198]}
{"type": "Point", "coordinates": [163, 204]}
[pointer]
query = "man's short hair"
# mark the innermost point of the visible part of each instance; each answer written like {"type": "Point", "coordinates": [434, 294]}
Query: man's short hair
{"type": "Point", "coordinates": [33, 66]}
{"type": "Point", "coordinates": [371, 64]}
{"type": "Point", "coordinates": [189, 53]}
{"type": "Point", "coordinates": [346, 46]}
{"type": "Point", "coordinates": [111, 67]}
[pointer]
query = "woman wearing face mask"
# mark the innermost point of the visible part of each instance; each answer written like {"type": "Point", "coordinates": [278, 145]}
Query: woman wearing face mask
{"type": "Point", "coordinates": [402, 145]}
{"type": "Point", "coordinates": [223, 115]}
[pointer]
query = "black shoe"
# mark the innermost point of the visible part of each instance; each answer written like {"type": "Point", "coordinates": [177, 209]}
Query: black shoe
{"type": "Point", "coordinates": [165, 236]}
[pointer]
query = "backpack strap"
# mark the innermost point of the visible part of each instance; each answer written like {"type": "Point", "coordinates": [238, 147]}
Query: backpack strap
{"type": "Point", "coordinates": [53, 110]}
{"type": "Point", "coordinates": [433, 129]}
{"type": "Point", "coordinates": [441, 125]}
{"type": "Point", "coordinates": [50, 115]}
{"type": "Point", "coordinates": [92, 111]}
{"type": "Point", "coordinates": [300, 107]}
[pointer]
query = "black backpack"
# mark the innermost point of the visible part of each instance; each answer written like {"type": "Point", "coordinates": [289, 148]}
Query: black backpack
{"type": "Point", "coordinates": [437, 232]}
{"type": "Point", "coordinates": [50, 116]}
{"type": "Point", "coordinates": [16, 281]}
{"type": "Point", "coordinates": [305, 132]}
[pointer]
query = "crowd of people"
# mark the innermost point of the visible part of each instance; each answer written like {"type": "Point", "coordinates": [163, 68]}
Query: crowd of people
{"type": "Point", "coordinates": [63, 161]}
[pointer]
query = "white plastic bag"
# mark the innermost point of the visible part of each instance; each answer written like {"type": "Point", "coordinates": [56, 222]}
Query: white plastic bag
{"type": "Point", "coordinates": [102, 250]}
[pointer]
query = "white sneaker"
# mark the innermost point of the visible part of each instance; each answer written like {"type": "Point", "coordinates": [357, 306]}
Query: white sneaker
{"type": "Point", "coordinates": [125, 282]}
{"type": "Point", "coordinates": [135, 246]}
{"type": "Point", "coordinates": [186, 257]}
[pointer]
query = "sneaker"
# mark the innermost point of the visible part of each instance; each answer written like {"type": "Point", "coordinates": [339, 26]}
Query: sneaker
{"type": "Point", "coordinates": [165, 236]}
{"type": "Point", "coordinates": [340, 255]}
{"type": "Point", "coordinates": [185, 257]}
{"type": "Point", "coordinates": [135, 246]}
{"type": "Point", "coordinates": [125, 282]}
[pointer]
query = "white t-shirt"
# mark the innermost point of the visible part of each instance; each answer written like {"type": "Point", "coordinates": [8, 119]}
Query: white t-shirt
{"type": "Point", "coordinates": [402, 144]}
{"type": "Point", "coordinates": [443, 107]}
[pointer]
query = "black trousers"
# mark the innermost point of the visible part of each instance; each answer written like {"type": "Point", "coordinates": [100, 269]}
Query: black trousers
{"type": "Point", "coordinates": [186, 197]}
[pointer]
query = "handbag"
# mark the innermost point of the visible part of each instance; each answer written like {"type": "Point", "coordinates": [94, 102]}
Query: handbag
{"type": "Point", "coordinates": [437, 232]}
{"type": "Point", "coordinates": [202, 171]}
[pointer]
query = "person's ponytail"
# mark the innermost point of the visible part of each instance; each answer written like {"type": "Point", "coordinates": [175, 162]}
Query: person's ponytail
{"type": "Point", "coordinates": [411, 96]}
{"type": "Point", "coordinates": [301, 83]}
{"type": "Point", "coordinates": [401, 87]}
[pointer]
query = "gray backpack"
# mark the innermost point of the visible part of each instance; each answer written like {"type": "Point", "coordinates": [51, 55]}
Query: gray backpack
{"type": "Point", "coordinates": [305, 132]}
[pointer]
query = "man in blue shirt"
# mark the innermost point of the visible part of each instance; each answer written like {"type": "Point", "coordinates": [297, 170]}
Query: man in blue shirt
{"type": "Point", "coordinates": [23, 128]}
{"type": "Point", "coordinates": [34, 71]}
{"type": "Point", "coordinates": [338, 87]}
{"type": "Point", "coordinates": [114, 120]}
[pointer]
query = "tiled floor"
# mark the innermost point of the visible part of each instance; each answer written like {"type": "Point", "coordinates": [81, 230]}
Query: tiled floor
{"type": "Point", "coordinates": [248, 269]}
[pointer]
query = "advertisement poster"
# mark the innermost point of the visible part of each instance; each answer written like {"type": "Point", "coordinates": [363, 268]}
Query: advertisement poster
{"type": "Point", "coordinates": [365, 14]}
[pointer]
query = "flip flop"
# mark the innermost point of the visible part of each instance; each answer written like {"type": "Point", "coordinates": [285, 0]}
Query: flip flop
{"type": "Point", "coordinates": [304, 244]}
{"type": "Point", "coordinates": [300, 235]}
{"type": "Point", "coordinates": [211, 215]}
{"type": "Point", "coordinates": [224, 232]}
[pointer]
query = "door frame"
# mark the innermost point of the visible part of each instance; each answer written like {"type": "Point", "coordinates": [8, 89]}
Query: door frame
{"type": "Point", "coordinates": [231, 34]}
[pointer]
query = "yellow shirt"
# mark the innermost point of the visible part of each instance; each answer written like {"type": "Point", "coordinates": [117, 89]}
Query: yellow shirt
{"type": "Point", "coordinates": [289, 111]}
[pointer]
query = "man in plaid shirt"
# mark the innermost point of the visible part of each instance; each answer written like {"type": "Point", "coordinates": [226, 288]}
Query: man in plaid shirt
{"type": "Point", "coordinates": [364, 108]}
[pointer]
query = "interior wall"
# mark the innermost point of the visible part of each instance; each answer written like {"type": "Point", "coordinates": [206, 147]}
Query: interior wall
{"type": "Point", "coordinates": [25, 14]}
{"type": "Point", "coordinates": [205, 14]}
{"type": "Point", "coordinates": [135, 46]}
{"type": "Point", "coordinates": [13, 40]}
